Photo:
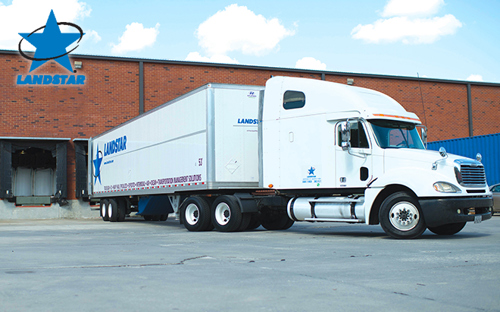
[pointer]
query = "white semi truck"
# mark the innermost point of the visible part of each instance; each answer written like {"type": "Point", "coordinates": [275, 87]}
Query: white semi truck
{"type": "Point", "coordinates": [234, 157]}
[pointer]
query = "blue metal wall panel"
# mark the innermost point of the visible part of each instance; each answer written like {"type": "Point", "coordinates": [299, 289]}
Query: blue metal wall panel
{"type": "Point", "coordinates": [487, 145]}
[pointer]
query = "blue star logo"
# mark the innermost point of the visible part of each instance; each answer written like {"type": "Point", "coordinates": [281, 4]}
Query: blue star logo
{"type": "Point", "coordinates": [51, 44]}
{"type": "Point", "coordinates": [311, 171]}
{"type": "Point", "coordinates": [97, 165]}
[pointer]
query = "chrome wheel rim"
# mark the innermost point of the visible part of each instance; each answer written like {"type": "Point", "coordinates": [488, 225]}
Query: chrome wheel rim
{"type": "Point", "coordinates": [404, 216]}
{"type": "Point", "coordinates": [192, 214]}
{"type": "Point", "coordinates": [110, 210]}
{"type": "Point", "coordinates": [222, 213]}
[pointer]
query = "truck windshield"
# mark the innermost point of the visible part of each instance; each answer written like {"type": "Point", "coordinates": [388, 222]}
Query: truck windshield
{"type": "Point", "coordinates": [396, 134]}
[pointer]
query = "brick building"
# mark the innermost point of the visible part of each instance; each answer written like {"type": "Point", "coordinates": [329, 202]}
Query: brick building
{"type": "Point", "coordinates": [44, 128]}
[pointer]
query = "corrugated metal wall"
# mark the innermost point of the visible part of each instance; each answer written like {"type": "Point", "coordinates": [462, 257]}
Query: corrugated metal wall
{"type": "Point", "coordinates": [487, 145]}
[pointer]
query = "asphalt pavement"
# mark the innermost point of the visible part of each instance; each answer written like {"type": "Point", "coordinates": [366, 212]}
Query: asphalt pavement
{"type": "Point", "coordinates": [92, 265]}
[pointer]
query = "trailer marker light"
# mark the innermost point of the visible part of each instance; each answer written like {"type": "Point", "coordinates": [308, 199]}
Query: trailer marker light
{"type": "Point", "coordinates": [270, 186]}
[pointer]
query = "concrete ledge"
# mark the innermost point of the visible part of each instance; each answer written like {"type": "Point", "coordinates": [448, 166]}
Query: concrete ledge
{"type": "Point", "coordinates": [76, 209]}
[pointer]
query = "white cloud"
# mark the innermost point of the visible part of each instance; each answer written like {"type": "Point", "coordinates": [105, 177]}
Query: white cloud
{"type": "Point", "coordinates": [92, 35]}
{"type": "Point", "coordinates": [475, 77]}
{"type": "Point", "coordinates": [310, 63]}
{"type": "Point", "coordinates": [236, 28]}
{"type": "Point", "coordinates": [412, 7]}
{"type": "Point", "coordinates": [407, 30]}
{"type": "Point", "coordinates": [406, 26]}
{"type": "Point", "coordinates": [218, 58]}
{"type": "Point", "coordinates": [24, 16]}
{"type": "Point", "coordinates": [136, 38]}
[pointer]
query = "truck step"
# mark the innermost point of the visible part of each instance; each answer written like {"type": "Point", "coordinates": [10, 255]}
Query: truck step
{"type": "Point", "coordinates": [337, 200]}
{"type": "Point", "coordinates": [333, 220]}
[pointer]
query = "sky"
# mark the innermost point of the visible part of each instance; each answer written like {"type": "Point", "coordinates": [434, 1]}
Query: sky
{"type": "Point", "coordinates": [443, 39]}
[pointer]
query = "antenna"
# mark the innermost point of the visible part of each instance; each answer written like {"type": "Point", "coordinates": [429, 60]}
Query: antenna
{"type": "Point", "coordinates": [421, 97]}
{"type": "Point", "coordinates": [423, 108]}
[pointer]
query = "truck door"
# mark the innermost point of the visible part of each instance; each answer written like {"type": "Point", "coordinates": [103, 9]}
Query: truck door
{"type": "Point", "coordinates": [353, 167]}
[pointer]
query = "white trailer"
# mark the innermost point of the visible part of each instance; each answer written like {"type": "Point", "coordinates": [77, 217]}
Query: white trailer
{"type": "Point", "coordinates": [234, 157]}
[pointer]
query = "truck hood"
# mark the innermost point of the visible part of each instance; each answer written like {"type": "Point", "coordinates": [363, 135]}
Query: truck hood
{"type": "Point", "coordinates": [419, 158]}
{"type": "Point", "coordinates": [420, 169]}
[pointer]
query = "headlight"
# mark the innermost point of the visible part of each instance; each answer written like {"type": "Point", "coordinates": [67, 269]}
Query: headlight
{"type": "Point", "coordinates": [444, 187]}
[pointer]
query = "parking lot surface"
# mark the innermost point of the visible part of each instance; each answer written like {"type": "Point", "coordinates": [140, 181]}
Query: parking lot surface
{"type": "Point", "coordinates": [91, 265]}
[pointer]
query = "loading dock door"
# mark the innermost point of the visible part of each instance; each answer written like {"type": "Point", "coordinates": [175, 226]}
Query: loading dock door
{"type": "Point", "coordinates": [33, 168]}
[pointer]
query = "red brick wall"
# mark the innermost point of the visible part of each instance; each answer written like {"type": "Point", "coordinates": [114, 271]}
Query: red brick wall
{"type": "Point", "coordinates": [164, 82]}
{"type": "Point", "coordinates": [485, 109]}
{"type": "Point", "coordinates": [110, 96]}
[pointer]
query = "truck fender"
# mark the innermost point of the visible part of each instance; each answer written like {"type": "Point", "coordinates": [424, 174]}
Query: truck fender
{"type": "Point", "coordinates": [376, 195]}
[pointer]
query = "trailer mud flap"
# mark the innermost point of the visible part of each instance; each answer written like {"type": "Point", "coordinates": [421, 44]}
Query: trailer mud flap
{"type": "Point", "coordinates": [155, 205]}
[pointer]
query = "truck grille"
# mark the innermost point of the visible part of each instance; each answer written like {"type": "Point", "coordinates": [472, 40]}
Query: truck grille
{"type": "Point", "coordinates": [472, 175]}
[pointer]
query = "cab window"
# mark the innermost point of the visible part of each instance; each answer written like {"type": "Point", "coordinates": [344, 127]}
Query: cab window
{"type": "Point", "coordinates": [294, 99]}
{"type": "Point", "coordinates": [358, 136]}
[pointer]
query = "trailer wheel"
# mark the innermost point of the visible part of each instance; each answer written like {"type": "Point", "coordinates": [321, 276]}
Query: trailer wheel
{"type": "Point", "coordinates": [273, 220]}
{"type": "Point", "coordinates": [447, 229]}
{"type": "Point", "coordinates": [226, 214]}
{"type": "Point", "coordinates": [122, 209]}
{"type": "Point", "coordinates": [164, 217]}
{"type": "Point", "coordinates": [155, 217]}
{"type": "Point", "coordinates": [104, 209]}
{"type": "Point", "coordinates": [195, 214]}
{"type": "Point", "coordinates": [113, 210]}
{"type": "Point", "coordinates": [401, 217]}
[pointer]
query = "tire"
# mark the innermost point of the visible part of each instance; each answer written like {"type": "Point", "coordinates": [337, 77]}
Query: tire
{"type": "Point", "coordinates": [164, 217]}
{"type": "Point", "coordinates": [155, 217]}
{"type": "Point", "coordinates": [148, 218]}
{"type": "Point", "coordinates": [400, 216]}
{"type": "Point", "coordinates": [254, 222]}
{"type": "Point", "coordinates": [226, 214]}
{"type": "Point", "coordinates": [447, 229]}
{"type": "Point", "coordinates": [104, 209]}
{"type": "Point", "coordinates": [113, 210]}
{"type": "Point", "coordinates": [122, 209]}
{"type": "Point", "coordinates": [245, 221]}
{"type": "Point", "coordinates": [275, 220]}
{"type": "Point", "coordinates": [195, 214]}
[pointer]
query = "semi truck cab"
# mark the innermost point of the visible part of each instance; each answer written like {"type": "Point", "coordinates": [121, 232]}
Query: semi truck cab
{"type": "Point", "coordinates": [348, 154]}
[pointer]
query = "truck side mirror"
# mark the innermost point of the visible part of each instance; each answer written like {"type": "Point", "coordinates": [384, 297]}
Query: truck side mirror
{"type": "Point", "coordinates": [345, 130]}
{"type": "Point", "coordinates": [424, 135]}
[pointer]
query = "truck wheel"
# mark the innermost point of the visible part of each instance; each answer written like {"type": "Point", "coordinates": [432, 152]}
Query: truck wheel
{"type": "Point", "coordinates": [122, 209]}
{"type": "Point", "coordinates": [164, 217]}
{"type": "Point", "coordinates": [195, 214]}
{"type": "Point", "coordinates": [245, 221]}
{"type": "Point", "coordinates": [275, 220]}
{"type": "Point", "coordinates": [447, 229]}
{"type": "Point", "coordinates": [112, 210]}
{"type": "Point", "coordinates": [226, 214]}
{"type": "Point", "coordinates": [104, 209]}
{"type": "Point", "coordinates": [148, 218]}
{"type": "Point", "coordinates": [254, 222]}
{"type": "Point", "coordinates": [401, 217]}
